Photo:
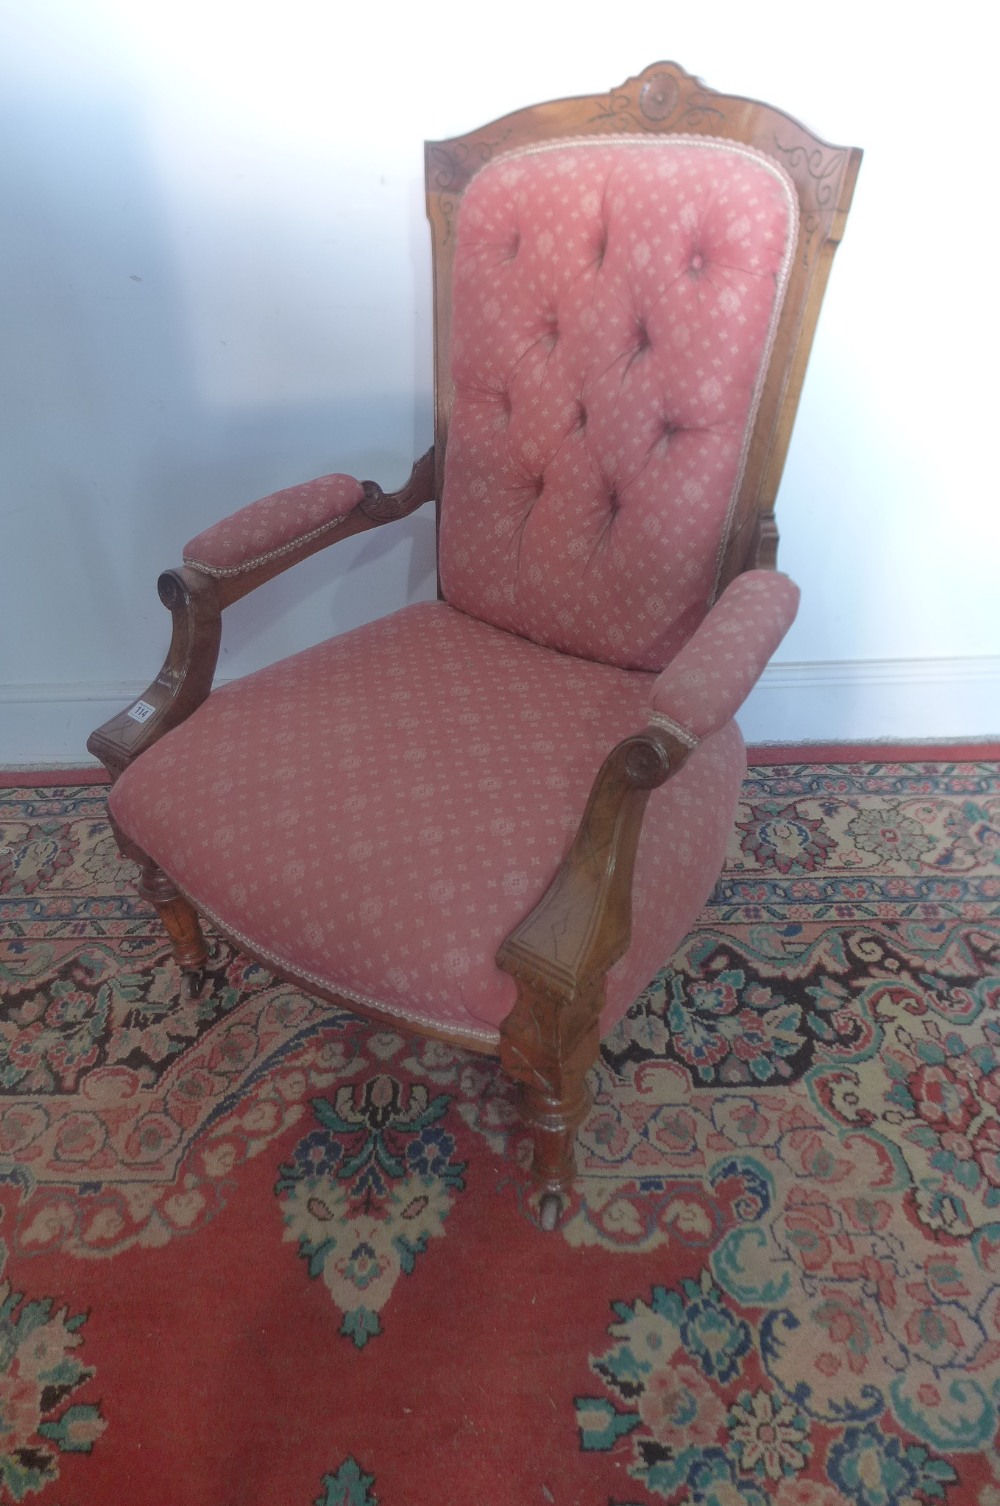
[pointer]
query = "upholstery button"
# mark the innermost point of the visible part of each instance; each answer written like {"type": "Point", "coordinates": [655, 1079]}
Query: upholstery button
{"type": "Point", "coordinates": [697, 262]}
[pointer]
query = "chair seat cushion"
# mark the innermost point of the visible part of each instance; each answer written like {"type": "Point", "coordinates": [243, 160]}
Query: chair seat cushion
{"type": "Point", "coordinates": [377, 813]}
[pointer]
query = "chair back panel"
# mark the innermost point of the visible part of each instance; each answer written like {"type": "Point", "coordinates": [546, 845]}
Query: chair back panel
{"type": "Point", "coordinates": [512, 575]}
{"type": "Point", "coordinates": [613, 306]}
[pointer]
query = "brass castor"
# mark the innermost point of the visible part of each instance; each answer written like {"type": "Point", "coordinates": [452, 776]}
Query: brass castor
{"type": "Point", "coordinates": [193, 982]}
{"type": "Point", "coordinates": [549, 1211]}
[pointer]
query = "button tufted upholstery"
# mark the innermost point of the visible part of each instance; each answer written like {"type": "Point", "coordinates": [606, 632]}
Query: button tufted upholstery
{"type": "Point", "coordinates": [613, 308]}
{"type": "Point", "coordinates": [418, 784]}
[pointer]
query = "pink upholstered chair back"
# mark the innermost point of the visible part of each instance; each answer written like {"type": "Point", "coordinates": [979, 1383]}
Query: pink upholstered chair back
{"type": "Point", "coordinates": [614, 304]}
{"type": "Point", "coordinates": [626, 289]}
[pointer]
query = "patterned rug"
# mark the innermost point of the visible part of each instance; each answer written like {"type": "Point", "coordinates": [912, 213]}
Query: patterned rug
{"type": "Point", "coordinates": [255, 1252]}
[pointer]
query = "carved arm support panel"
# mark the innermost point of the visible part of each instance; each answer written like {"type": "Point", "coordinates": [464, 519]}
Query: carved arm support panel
{"type": "Point", "coordinates": [705, 685]}
{"type": "Point", "coordinates": [561, 952]}
{"type": "Point", "coordinates": [183, 682]}
{"type": "Point", "coordinates": [196, 594]}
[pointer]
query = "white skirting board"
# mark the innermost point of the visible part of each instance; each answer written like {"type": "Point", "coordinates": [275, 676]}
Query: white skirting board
{"type": "Point", "coordinates": [907, 700]}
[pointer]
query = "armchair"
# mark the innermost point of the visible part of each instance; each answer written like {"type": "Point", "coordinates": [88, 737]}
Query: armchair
{"type": "Point", "coordinates": [492, 817]}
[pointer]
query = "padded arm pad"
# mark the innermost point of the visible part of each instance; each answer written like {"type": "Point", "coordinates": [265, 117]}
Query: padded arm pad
{"type": "Point", "coordinates": [711, 677]}
{"type": "Point", "coordinates": [274, 525]}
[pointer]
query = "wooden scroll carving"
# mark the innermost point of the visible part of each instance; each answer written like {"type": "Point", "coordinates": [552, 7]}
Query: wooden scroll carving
{"type": "Point", "coordinates": [185, 679]}
{"type": "Point", "coordinates": [387, 507]}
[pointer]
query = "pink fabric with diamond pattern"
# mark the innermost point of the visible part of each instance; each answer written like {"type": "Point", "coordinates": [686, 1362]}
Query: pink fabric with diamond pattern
{"type": "Point", "coordinates": [380, 811]}
{"type": "Point", "coordinates": [711, 677]}
{"type": "Point", "coordinates": [613, 309]}
{"type": "Point", "coordinates": [273, 525]}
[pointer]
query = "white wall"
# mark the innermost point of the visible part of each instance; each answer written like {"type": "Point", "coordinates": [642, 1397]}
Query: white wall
{"type": "Point", "coordinates": [215, 282]}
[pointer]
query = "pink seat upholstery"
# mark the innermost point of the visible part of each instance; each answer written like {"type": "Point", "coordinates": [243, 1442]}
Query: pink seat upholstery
{"type": "Point", "coordinates": [410, 803]}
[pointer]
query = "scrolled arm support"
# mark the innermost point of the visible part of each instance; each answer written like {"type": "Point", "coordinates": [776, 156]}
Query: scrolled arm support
{"type": "Point", "coordinates": [582, 923]}
{"type": "Point", "coordinates": [183, 682]}
{"type": "Point", "coordinates": [560, 953]}
{"type": "Point", "coordinates": [386, 507]}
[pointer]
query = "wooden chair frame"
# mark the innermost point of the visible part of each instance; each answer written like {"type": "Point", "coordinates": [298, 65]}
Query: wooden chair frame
{"type": "Point", "coordinates": [561, 952]}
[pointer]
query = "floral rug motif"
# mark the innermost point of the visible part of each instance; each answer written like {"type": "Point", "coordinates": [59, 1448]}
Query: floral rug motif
{"type": "Point", "coordinates": [350, 1486]}
{"type": "Point", "coordinates": [778, 1278]}
{"type": "Point", "coordinates": [40, 1371]}
{"type": "Point", "coordinates": [366, 1189]}
{"type": "Point", "coordinates": [678, 1375]}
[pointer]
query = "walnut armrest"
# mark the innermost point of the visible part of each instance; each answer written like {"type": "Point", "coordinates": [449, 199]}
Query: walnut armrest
{"type": "Point", "coordinates": [561, 952]}
{"type": "Point", "coordinates": [195, 600]}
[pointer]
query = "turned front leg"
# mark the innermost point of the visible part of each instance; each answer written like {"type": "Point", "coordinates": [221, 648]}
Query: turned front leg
{"type": "Point", "coordinates": [561, 952]}
{"type": "Point", "coordinates": [180, 918]}
{"type": "Point", "coordinates": [554, 1122]}
{"type": "Point", "coordinates": [550, 1059]}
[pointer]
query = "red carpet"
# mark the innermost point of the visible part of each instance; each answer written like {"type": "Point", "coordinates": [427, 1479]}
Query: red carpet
{"type": "Point", "coordinates": [256, 1253]}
